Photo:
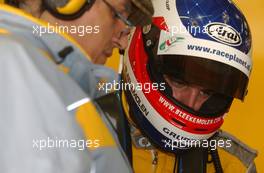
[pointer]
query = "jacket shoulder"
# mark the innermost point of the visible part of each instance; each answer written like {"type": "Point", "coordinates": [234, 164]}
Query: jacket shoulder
{"type": "Point", "coordinates": [239, 150]}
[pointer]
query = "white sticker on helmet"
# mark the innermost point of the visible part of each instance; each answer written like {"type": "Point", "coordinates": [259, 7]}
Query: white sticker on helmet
{"type": "Point", "coordinates": [183, 45]}
{"type": "Point", "coordinates": [223, 33]}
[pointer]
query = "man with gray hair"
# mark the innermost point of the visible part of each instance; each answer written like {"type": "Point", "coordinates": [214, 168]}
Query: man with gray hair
{"type": "Point", "coordinates": [48, 122]}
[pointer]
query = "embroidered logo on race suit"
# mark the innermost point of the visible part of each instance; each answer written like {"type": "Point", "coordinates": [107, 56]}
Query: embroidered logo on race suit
{"type": "Point", "coordinates": [139, 140]}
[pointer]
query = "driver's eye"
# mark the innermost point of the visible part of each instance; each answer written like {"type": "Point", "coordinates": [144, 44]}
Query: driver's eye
{"type": "Point", "coordinates": [115, 15]}
{"type": "Point", "coordinates": [178, 83]}
{"type": "Point", "coordinates": [207, 92]}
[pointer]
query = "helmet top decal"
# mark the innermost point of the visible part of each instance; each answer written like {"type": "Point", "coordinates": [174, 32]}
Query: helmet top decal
{"type": "Point", "coordinates": [223, 33]}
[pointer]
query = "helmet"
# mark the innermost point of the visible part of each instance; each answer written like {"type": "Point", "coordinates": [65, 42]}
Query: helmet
{"type": "Point", "coordinates": [203, 42]}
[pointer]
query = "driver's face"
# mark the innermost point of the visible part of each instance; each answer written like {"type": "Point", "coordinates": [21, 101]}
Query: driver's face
{"type": "Point", "coordinates": [190, 95]}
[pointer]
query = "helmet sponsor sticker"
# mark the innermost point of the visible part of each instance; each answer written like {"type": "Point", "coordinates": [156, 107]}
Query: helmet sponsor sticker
{"type": "Point", "coordinates": [188, 117]}
{"type": "Point", "coordinates": [189, 46]}
{"type": "Point", "coordinates": [223, 33]}
{"type": "Point", "coordinates": [170, 42]}
{"type": "Point", "coordinates": [174, 135]}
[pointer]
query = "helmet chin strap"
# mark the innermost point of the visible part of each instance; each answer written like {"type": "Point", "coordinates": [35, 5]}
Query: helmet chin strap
{"type": "Point", "coordinates": [194, 160]}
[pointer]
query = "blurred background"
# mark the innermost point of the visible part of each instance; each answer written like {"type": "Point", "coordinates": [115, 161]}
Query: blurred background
{"type": "Point", "coordinates": [245, 119]}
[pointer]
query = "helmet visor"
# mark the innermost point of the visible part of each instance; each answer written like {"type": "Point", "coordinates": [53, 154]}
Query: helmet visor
{"type": "Point", "coordinates": [213, 75]}
{"type": "Point", "coordinates": [225, 81]}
